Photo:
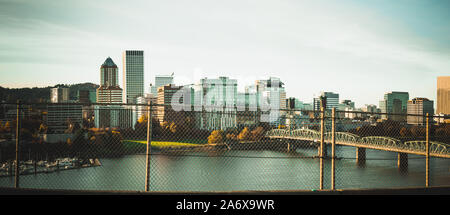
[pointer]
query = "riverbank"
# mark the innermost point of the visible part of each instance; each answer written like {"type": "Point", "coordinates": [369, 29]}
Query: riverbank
{"type": "Point", "coordinates": [31, 167]}
{"type": "Point", "coordinates": [170, 146]}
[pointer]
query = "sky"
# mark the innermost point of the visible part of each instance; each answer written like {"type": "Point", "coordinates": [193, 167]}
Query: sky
{"type": "Point", "coordinates": [359, 49]}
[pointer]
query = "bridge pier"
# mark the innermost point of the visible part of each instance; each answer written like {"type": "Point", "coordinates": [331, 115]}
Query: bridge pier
{"type": "Point", "coordinates": [360, 156]}
{"type": "Point", "coordinates": [402, 162]}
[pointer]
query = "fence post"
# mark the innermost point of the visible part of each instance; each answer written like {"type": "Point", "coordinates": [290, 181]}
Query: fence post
{"type": "Point", "coordinates": [427, 148]}
{"type": "Point", "coordinates": [149, 140]}
{"type": "Point", "coordinates": [333, 145]}
{"type": "Point", "coordinates": [17, 173]}
{"type": "Point", "coordinates": [322, 144]}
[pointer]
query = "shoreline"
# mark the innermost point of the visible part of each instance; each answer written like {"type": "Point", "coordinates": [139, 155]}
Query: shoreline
{"type": "Point", "coordinates": [46, 170]}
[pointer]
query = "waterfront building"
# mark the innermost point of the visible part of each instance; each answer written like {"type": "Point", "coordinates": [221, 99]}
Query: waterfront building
{"type": "Point", "coordinates": [443, 95]}
{"type": "Point", "coordinates": [133, 75]}
{"type": "Point", "coordinates": [419, 106]}
{"type": "Point", "coordinates": [63, 117]}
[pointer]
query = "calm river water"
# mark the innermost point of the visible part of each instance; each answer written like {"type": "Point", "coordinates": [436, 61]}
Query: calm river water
{"type": "Point", "coordinates": [242, 170]}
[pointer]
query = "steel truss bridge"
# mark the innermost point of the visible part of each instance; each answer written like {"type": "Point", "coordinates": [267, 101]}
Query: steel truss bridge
{"type": "Point", "coordinates": [418, 147]}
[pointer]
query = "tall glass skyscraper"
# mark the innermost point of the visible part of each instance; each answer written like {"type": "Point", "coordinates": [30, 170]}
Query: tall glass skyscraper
{"type": "Point", "coordinates": [133, 75]}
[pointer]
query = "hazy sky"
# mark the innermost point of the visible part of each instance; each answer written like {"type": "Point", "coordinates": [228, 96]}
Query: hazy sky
{"type": "Point", "coordinates": [359, 49]}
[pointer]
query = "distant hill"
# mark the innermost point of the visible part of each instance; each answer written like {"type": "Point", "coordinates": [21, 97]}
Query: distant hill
{"type": "Point", "coordinates": [41, 94]}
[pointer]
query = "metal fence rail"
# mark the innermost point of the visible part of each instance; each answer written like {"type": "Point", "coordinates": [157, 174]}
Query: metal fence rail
{"type": "Point", "coordinates": [101, 146]}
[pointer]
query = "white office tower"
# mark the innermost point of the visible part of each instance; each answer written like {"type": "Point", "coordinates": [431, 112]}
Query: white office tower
{"type": "Point", "coordinates": [271, 97]}
{"type": "Point", "coordinates": [215, 101]}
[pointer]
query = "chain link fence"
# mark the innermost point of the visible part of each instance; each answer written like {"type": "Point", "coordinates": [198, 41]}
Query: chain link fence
{"type": "Point", "coordinates": [104, 147]}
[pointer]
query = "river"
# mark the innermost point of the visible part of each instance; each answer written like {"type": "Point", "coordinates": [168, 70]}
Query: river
{"type": "Point", "coordinates": [242, 170]}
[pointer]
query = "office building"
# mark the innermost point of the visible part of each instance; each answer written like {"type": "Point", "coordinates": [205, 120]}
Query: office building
{"type": "Point", "coordinates": [394, 103]}
{"type": "Point", "coordinates": [443, 95]}
{"type": "Point", "coordinates": [216, 100]}
{"type": "Point", "coordinates": [331, 100]}
{"type": "Point", "coordinates": [111, 115]}
{"type": "Point", "coordinates": [164, 98]}
{"type": "Point", "coordinates": [86, 96]}
{"type": "Point", "coordinates": [133, 75]}
{"type": "Point", "coordinates": [114, 116]}
{"type": "Point", "coordinates": [109, 90]}
{"type": "Point", "coordinates": [63, 118]}
{"type": "Point", "coordinates": [160, 80]}
{"type": "Point", "coordinates": [419, 106]}
{"type": "Point", "coordinates": [271, 99]}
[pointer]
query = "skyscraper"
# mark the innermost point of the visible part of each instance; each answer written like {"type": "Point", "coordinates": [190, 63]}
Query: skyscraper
{"type": "Point", "coordinates": [133, 75]}
{"type": "Point", "coordinates": [394, 103]}
{"type": "Point", "coordinates": [443, 95]}
{"type": "Point", "coordinates": [109, 90]}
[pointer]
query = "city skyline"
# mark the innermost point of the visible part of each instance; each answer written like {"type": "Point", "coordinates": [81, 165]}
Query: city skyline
{"type": "Point", "coordinates": [406, 48]}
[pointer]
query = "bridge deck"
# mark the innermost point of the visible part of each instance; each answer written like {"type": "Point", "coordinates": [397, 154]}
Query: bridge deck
{"type": "Point", "coordinates": [436, 149]}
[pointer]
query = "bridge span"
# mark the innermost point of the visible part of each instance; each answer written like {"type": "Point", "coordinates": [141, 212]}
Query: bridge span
{"type": "Point", "coordinates": [418, 147]}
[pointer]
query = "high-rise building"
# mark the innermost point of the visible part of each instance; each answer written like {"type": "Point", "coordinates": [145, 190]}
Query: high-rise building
{"type": "Point", "coordinates": [111, 115]}
{"type": "Point", "coordinates": [271, 92]}
{"type": "Point", "coordinates": [160, 80]}
{"type": "Point", "coordinates": [217, 98]}
{"type": "Point", "coordinates": [271, 97]}
{"type": "Point", "coordinates": [59, 95]}
{"type": "Point", "coordinates": [133, 75]}
{"type": "Point", "coordinates": [419, 106]}
{"type": "Point", "coordinates": [331, 100]}
{"type": "Point", "coordinates": [394, 103]}
{"type": "Point", "coordinates": [109, 90]}
{"type": "Point", "coordinates": [443, 95]}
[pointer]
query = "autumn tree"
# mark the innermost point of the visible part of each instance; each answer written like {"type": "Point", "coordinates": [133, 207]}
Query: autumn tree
{"type": "Point", "coordinates": [244, 135]}
{"type": "Point", "coordinates": [216, 136]}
